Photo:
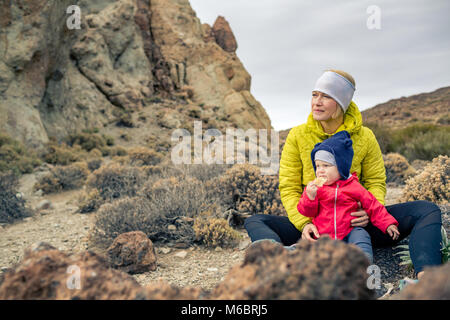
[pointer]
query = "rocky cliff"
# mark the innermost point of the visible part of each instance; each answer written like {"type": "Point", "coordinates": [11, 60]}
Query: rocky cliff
{"type": "Point", "coordinates": [126, 55]}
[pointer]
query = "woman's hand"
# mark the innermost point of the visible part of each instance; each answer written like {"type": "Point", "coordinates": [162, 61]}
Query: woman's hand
{"type": "Point", "coordinates": [363, 217]}
{"type": "Point", "coordinates": [308, 230]}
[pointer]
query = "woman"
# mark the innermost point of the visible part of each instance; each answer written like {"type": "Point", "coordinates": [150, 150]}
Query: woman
{"type": "Point", "coordinates": [332, 110]}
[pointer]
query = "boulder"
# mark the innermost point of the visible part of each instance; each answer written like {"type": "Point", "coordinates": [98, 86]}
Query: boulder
{"type": "Point", "coordinates": [223, 35]}
{"type": "Point", "coordinates": [325, 269]}
{"type": "Point", "coordinates": [46, 273]}
{"type": "Point", "coordinates": [132, 252]}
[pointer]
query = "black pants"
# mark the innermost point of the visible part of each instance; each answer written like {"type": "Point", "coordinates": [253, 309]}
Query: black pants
{"type": "Point", "coordinates": [421, 220]}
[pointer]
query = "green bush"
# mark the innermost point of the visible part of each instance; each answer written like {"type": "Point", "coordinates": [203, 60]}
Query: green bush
{"type": "Point", "coordinates": [14, 156]}
{"type": "Point", "coordinates": [12, 205]}
{"type": "Point", "coordinates": [417, 141]}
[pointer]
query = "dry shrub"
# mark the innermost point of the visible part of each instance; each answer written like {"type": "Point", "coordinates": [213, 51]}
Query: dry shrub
{"type": "Point", "coordinates": [140, 156]}
{"type": "Point", "coordinates": [215, 232]}
{"type": "Point", "coordinates": [12, 205]}
{"type": "Point", "coordinates": [177, 196]}
{"type": "Point", "coordinates": [87, 141]}
{"type": "Point", "coordinates": [61, 178]}
{"type": "Point", "coordinates": [164, 209]}
{"type": "Point", "coordinates": [204, 172]}
{"type": "Point", "coordinates": [431, 184]}
{"type": "Point", "coordinates": [61, 154]}
{"type": "Point", "coordinates": [243, 188]}
{"type": "Point", "coordinates": [397, 168]}
{"type": "Point", "coordinates": [94, 164]}
{"type": "Point", "coordinates": [139, 214]}
{"type": "Point", "coordinates": [90, 201]}
{"type": "Point", "coordinates": [14, 156]}
{"type": "Point", "coordinates": [114, 180]}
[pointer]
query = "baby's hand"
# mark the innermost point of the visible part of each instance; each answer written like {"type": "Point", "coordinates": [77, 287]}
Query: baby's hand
{"type": "Point", "coordinates": [311, 190]}
{"type": "Point", "coordinates": [393, 231]}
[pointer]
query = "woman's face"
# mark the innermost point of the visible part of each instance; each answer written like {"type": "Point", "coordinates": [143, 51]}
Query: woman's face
{"type": "Point", "coordinates": [323, 107]}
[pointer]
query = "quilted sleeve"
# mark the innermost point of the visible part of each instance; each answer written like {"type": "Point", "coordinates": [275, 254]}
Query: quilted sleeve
{"type": "Point", "coordinates": [373, 173]}
{"type": "Point", "coordinates": [290, 180]}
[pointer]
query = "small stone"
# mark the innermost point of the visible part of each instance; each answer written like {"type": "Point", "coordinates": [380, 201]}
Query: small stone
{"type": "Point", "coordinates": [244, 244]}
{"type": "Point", "coordinates": [172, 227]}
{"type": "Point", "coordinates": [218, 249]}
{"type": "Point", "coordinates": [44, 205]}
{"type": "Point", "coordinates": [181, 254]}
{"type": "Point", "coordinates": [39, 193]}
{"type": "Point", "coordinates": [164, 250]}
{"type": "Point", "coordinates": [212, 269]}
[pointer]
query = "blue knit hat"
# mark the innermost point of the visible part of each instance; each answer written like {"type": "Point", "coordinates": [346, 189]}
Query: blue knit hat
{"type": "Point", "coordinates": [340, 146]}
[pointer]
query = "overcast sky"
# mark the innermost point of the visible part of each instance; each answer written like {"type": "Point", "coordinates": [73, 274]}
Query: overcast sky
{"type": "Point", "coordinates": [286, 45]}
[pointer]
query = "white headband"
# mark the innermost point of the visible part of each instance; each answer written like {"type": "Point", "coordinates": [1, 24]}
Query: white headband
{"type": "Point", "coordinates": [337, 86]}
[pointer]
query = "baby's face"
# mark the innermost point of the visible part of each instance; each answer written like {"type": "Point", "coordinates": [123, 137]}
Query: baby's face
{"type": "Point", "coordinates": [328, 171]}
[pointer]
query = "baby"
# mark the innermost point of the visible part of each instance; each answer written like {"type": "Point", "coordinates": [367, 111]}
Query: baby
{"type": "Point", "coordinates": [335, 193]}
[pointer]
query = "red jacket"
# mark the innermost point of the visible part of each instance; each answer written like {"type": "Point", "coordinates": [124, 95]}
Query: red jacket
{"type": "Point", "coordinates": [333, 204]}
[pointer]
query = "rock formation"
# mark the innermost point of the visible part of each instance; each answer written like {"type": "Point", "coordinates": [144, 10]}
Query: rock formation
{"type": "Point", "coordinates": [55, 80]}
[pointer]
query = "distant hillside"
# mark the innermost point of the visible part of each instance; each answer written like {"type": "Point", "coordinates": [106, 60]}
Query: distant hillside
{"type": "Point", "coordinates": [429, 108]}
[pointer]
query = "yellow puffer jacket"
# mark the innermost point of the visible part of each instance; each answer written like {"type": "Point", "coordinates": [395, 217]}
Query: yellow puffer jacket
{"type": "Point", "coordinates": [296, 169]}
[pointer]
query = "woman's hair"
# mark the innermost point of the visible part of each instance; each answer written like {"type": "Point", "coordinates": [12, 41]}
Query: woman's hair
{"type": "Point", "coordinates": [345, 75]}
{"type": "Point", "coordinates": [349, 78]}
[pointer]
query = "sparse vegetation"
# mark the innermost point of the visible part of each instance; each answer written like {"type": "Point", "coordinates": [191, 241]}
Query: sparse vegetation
{"type": "Point", "coordinates": [12, 205]}
{"type": "Point", "coordinates": [143, 156]}
{"type": "Point", "coordinates": [164, 208]}
{"type": "Point", "coordinates": [417, 141]}
{"type": "Point", "coordinates": [243, 188]}
{"type": "Point", "coordinates": [397, 168]}
{"type": "Point", "coordinates": [215, 232]}
{"type": "Point", "coordinates": [115, 180]}
{"type": "Point", "coordinates": [431, 184]}
{"type": "Point", "coordinates": [62, 154]}
{"type": "Point", "coordinates": [15, 157]}
{"type": "Point", "coordinates": [61, 178]}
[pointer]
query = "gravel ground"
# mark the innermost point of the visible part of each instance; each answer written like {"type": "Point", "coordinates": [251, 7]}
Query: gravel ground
{"type": "Point", "coordinates": [196, 266]}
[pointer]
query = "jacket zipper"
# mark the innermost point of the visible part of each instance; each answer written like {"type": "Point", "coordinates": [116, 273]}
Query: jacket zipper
{"type": "Point", "coordinates": [335, 200]}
